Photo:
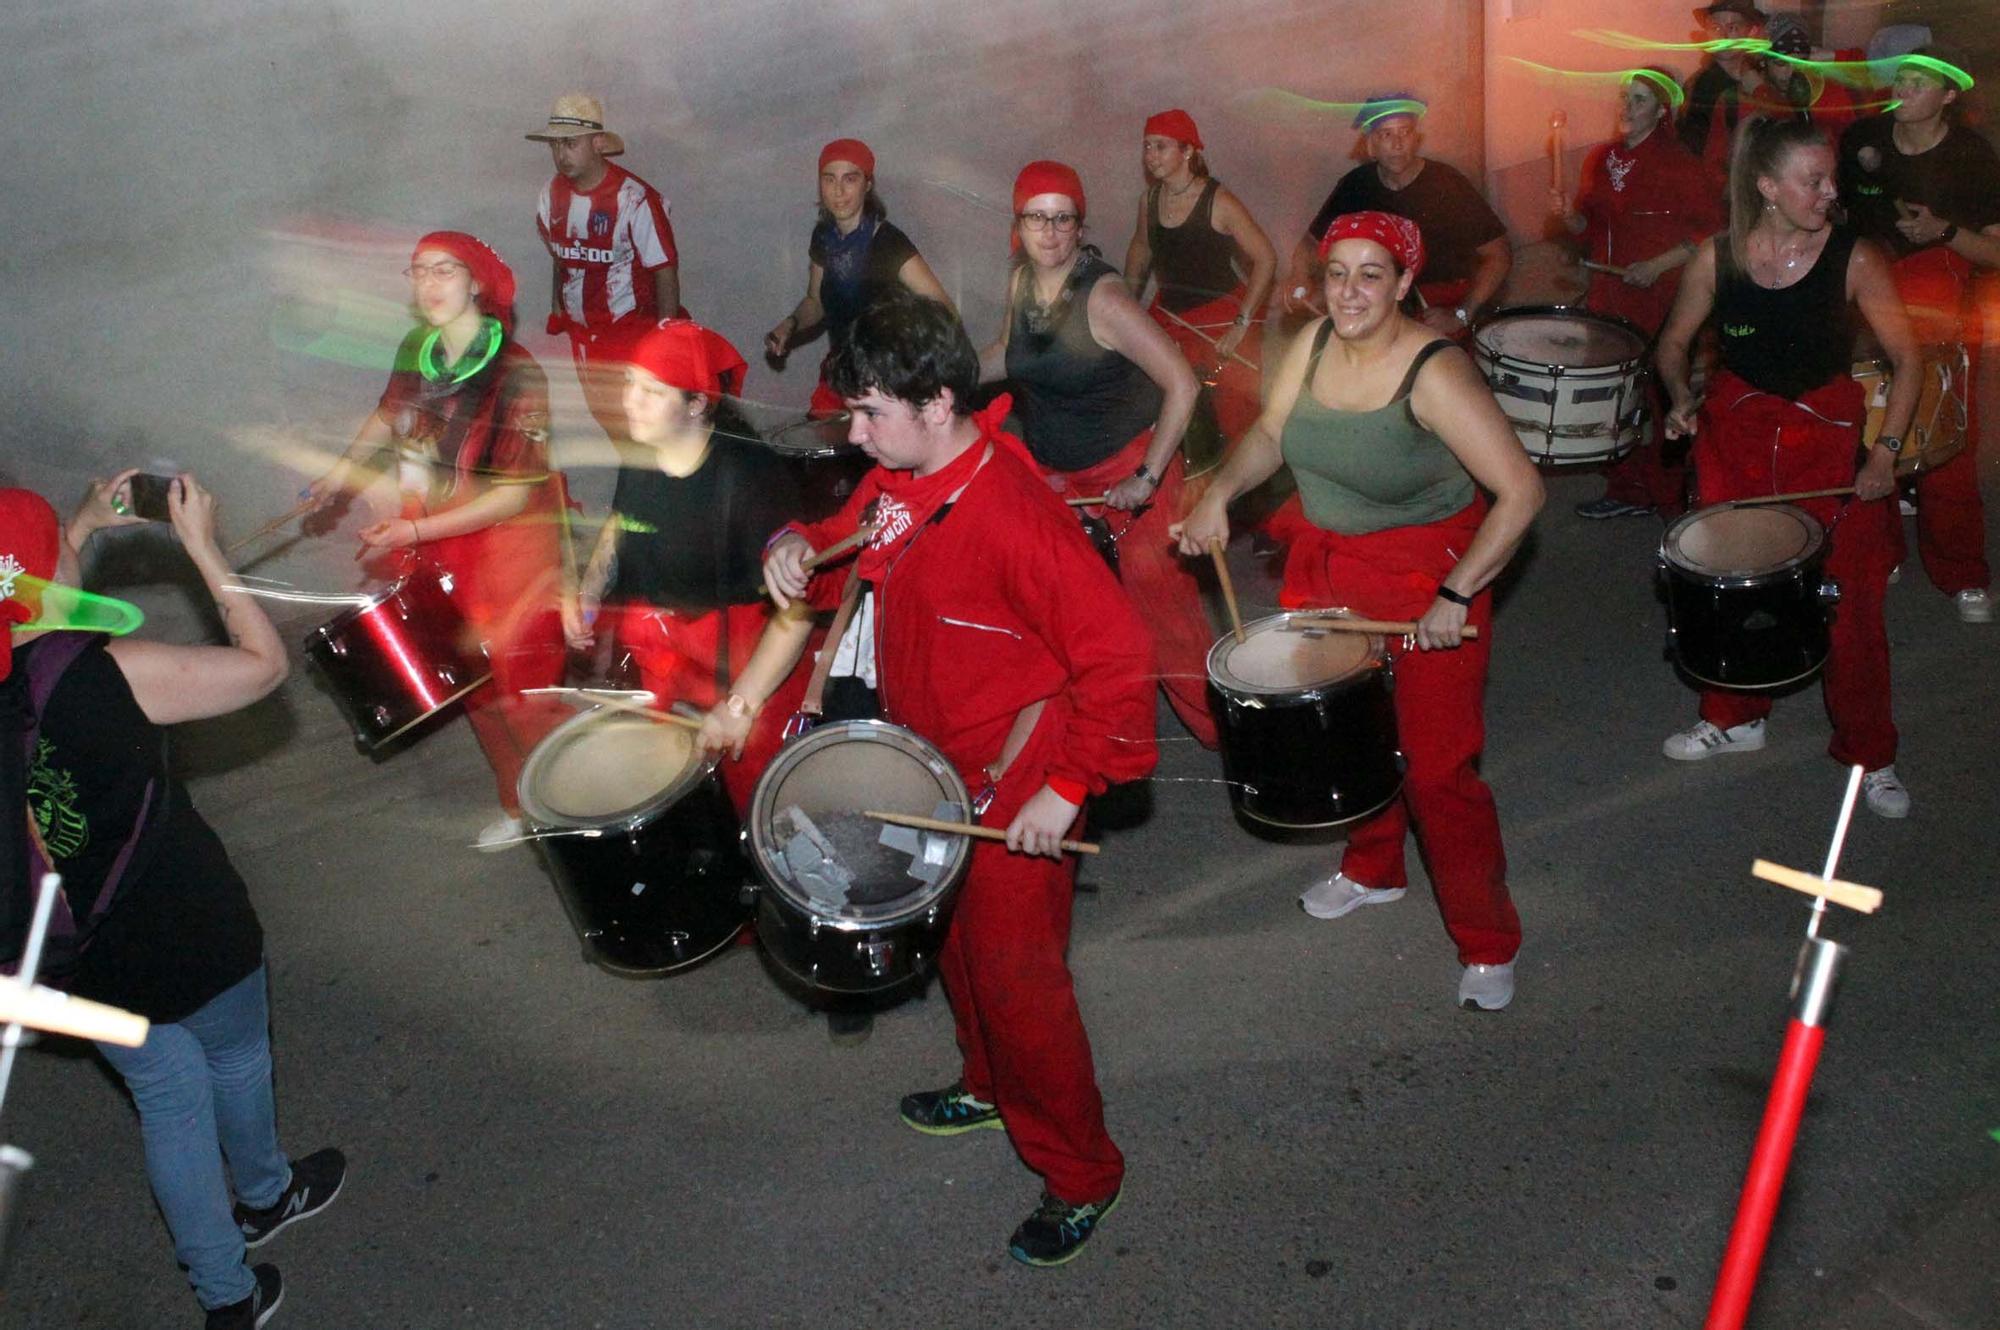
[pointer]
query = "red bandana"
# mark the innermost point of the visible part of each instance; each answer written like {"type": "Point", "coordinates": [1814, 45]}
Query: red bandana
{"type": "Point", "coordinates": [848, 150]}
{"type": "Point", "coordinates": [495, 278]}
{"type": "Point", "coordinates": [908, 501]}
{"type": "Point", "coordinates": [30, 544]}
{"type": "Point", "coordinates": [1177, 125]}
{"type": "Point", "coordinates": [682, 354]}
{"type": "Point", "coordinates": [1398, 235]}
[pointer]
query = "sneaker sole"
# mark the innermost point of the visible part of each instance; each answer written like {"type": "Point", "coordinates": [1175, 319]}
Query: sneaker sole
{"type": "Point", "coordinates": [984, 1124]}
{"type": "Point", "coordinates": [264, 1316]}
{"type": "Point", "coordinates": [1041, 1263]}
{"type": "Point", "coordinates": [319, 1209]}
{"type": "Point", "coordinates": [1735, 746]}
{"type": "Point", "coordinates": [1383, 896]}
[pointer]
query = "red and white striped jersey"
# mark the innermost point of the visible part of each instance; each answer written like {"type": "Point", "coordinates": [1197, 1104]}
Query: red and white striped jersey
{"type": "Point", "coordinates": [606, 242]}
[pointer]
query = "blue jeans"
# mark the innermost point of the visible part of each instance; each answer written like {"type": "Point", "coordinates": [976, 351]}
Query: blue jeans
{"type": "Point", "coordinates": [203, 1089]}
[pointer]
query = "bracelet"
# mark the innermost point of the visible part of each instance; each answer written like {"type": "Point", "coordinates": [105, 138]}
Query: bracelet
{"type": "Point", "coordinates": [1454, 597]}
{"type": "Point", "coordinates": [1145, 473]}
{"type": "Point", "coordinates": [416, 532]}
{"type": "Point", "coordinates": [1950, 233]}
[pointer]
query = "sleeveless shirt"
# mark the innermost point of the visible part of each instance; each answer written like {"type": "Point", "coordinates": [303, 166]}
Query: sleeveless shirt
{"type": "Point", "coordinates": [1077, 402]}
{"type": "Point", "coordinates": [1789, 341]}
{"type": "Point", "coordinates": [1193, 261]}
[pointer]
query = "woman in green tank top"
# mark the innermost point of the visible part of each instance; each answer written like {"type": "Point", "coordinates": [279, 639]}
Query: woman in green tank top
{"type": "Point", "coordinates": [1396, 441]}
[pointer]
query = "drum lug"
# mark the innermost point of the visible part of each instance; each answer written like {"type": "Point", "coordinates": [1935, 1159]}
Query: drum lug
{"type": "Point", "coordinates": [812, 927]}
{"type": "Point", "coordinates": [878, 954]}
{"type": "Point", "coordinates": [445, 583]}
{"type": "Point", "coordinates": [931, 917]}
{"type": "Point", "coordinates": [382, 718]}
{"type": "Point", "coordinates": [337, 645]}
{"type": "Point", "coordinates": [1829, 593]}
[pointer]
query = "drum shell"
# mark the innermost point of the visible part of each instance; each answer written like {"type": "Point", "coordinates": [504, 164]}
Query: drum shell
{"type": "Point", "coordinates": [1320, 757]}
{"type": "Point", "coordinates": [826, 475]}
{"type": "Point", "coordinates": [395, 661]}
{"type": "Point", "coordinates": [1567, 415]}
{"type": "Point", "coordinates": [1748, 632]}
{"type": "Point", "coordinates": [869, 959]}
{"type": "Point", "coordinates": [659, 893]}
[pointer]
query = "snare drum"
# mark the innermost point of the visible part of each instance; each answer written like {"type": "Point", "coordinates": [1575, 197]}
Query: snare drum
{"type": "Point", "coordinates": [1746, 606]}
{"type": "Point", "coordinates": [846, 903]}
{"type": "Point", "coordinates": [825, 464]}
{"type": "Point", "coordinates": [1307, 723]}
{"type": "Point", "coordinates": [639, 840]}
{"type": "Point", "coordinates": [1571, 382]}
{"type": "Point", "coordinates": [1937, 430]}
{"type": "Point", "coordinates": [400, 658]}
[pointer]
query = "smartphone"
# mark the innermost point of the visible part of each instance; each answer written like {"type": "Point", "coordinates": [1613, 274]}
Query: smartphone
{"type": "Point", "coordinates": [149, 496]}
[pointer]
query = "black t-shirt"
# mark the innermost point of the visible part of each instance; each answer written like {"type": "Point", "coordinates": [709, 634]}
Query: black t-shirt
{"type": "Point", "coordinates": [1958, 179]}
{"type": "Point", "coordinates": [668, 541]}
{"type": "Point", "coordinates": [1453, 216]}
{"type": "Point", "coordinates": [180, 930]}
{"type": "Point", "coordinates": [855, 268]}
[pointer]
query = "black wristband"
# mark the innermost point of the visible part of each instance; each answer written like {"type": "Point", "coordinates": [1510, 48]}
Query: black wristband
{"type": "Point", "coordinates": [1949, 233]}
{"type": "Point", "coordinates": [1453, 596]}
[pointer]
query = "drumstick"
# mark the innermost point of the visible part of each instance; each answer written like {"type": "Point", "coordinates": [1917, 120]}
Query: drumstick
{"type": "Point", "coordinates": [964, 829]}
{"type": "Point", "coordinates": [303, 506]}
{"type": "Point", "coordinates": [1851, 894]}
{"type": "Point", "coordinates": [833, 551]}
{"type": "Point", "coordinates": [1557, 121]}
{"type": "Point", "coordinates": [1205, 337]}
{"type": "Point", "coordinates": [59, 1013]}
{"type": "Point", "coordinates": [1592, 265]}
{"type": "Point", "coordinates": [1228, 588]}
{"type": "Point", "coordinates": [614, 702]}
{"type": "Point", "coordinates": [1387, 627]}
{"type": "Point", "coordinates": [1836, 492]}
{"type": "Point", "coordinates": [1086, 503]}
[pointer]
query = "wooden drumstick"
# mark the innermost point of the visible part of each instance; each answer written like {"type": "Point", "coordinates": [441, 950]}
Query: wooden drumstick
{"type": "Point", "coordinates": [1592, 265]}
{"type": "Point", "coordinates": [1851, 894]}
{"type": "Point", "coordinates": [1087, 503]}
{"type": "Point", "coordinates": [963, 829]}
{"type": "Point", "coordinates": [1558, 121]}
{"type": "Point", "coordinates": [614, 702]}
{"type": "Point", "coordinates": [1386, 627]}
{"type": "Point", "coordinates": [57, 1012]}
{"type": "Point", "coordinates": [1247, 364]}
{"type": "Point", "coordinates": [1836, 492]}
{"type": "Point", "coordinates": [1228, 588]}
{"type": "Point", "coordinates": [303, 506]}
{"type": "Point", "coordinates": [833, 551]}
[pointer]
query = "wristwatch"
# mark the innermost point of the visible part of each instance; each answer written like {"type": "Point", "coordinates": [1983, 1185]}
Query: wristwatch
{"type": "Point", "coordinates": [1463, 314]}
{"type": "Point", "coordinates": [1892, 443]}
{"type": "Point", "coordinates": [738, 707]}
{"type": "Point", "coordinates": [1145, 473]}
{"type": "Point", "coordinates": [1950, 231]}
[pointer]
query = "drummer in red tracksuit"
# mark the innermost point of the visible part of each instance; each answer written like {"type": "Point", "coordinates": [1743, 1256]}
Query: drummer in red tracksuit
{"type": "Point", "coordinates": [1001, 637]}
{"type": "Point", "coordinates": [1644, 205]}
{"type": "Point", "coordinates": [1783, 415]}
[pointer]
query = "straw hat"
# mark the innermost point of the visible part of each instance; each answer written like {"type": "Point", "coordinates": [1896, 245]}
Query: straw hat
{"type": "Point", "coordinates": [575, 115]}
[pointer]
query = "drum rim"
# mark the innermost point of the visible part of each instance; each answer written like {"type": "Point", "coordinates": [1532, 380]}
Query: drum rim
{"type": "Point", "coordinates": [1617, 369]}
{"type": "Point", "coordinates": [1377, 658]}
{"type": "Point", "coordinates": [763, 862]}
{"type": "Point", "coordinates": [537, 815]}
{"type": "Point", "coordinates": [774, 440]}
{"type": "Point", "coordinates": [1813, 550]}
{"type": "Point", "coordinates": [382, 596]}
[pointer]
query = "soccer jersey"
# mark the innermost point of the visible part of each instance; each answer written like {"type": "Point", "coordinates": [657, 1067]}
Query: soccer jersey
{"type": "Point", "coordinates": [607, 241]}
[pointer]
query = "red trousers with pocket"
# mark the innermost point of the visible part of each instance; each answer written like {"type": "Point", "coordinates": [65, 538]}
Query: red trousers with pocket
{"type": "Point", "coordinates": [1440, 721]}
{"type": "Point", "coordinates": [1753, 443]}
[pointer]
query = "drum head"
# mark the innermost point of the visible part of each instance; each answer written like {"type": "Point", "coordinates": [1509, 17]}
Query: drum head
{"type": "Point", "coordinates": [825, 437]}
{"type": "Point", "coordinates": [1276, 658]}
{"type": "Point", "coordinates": [809, 808]}
{"type": "Point", "coordinates": [606, 769]}
{"type": "Point", "coordinates": [1570, 338]}
{"type": "Point", "coordinates": [1743, 542]}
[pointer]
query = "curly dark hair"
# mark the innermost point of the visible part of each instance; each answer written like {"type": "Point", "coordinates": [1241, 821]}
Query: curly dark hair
{"type": "Point", "coordinates": [908, 347]}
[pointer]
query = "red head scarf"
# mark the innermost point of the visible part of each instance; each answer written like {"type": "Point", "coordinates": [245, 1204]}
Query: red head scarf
{"type": "Point", "coordinates": [1398, 235]}
{"type": "Point", "coordinates": [1177, 125]}
{"type": "Point", "coordinates": [489, 270]}
{"type": "Point", "coordinates": [848, 150]}
{"type": "Point", "coordinates": [1047, 178]}
{"type": "Point", "coordinates": [30, 545]}
{"type": "Point", "coordinates": [684, 355]}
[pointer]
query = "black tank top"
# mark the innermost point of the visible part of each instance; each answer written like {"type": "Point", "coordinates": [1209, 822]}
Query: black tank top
{"type": "Point", "coordinates": [1077, 402]}
{"type": "Point", "coordinates": [1791, 340]}
{"type": "Point", "coordinates": [1193, 261]}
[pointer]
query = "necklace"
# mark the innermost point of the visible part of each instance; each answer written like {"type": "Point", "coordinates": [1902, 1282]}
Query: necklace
{"type": "Point", "coordinates": [1172, 193]}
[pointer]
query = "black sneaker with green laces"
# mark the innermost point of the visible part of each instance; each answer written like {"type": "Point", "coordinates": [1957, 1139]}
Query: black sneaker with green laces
{"type": "Point", "coordinates": [949, 1111]}
{"type": "Point", "coordinates": [1057, 1230]}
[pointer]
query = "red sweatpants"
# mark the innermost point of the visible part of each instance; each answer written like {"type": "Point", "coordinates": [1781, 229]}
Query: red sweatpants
{"type": "Point", "coordinates": [1752, 443]}
{"type": "Point", "coordinates": [1440, 720]}
{"type": "Point", "coordinates": [1935, 285]}
{"type": "Point", "coordinates": [676, 656]}
{"type": "Point", "coordinates": [1161, 583]}
{"type": "Point", "coordinates": [1236, 389]}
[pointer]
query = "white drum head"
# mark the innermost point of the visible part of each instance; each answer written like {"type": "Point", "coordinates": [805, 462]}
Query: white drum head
{"type": "Point", "coordinates": [606, 768]}
{"type": "Point", "coordinates": [1743, 542]}
{"type": "Point", "coordinates": [1574, 341]}
{"type": "Point", "coordinates": [1277, 658]}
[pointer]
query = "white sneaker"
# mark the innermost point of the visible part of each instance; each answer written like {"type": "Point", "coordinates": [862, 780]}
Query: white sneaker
{"type": "Point", "coordinates": [1906, 505]}
{"type": "Point", "coordinates": [1975, 605]}
{"type": "Point", "coordinates": [1486, 987]}
{"type": "Point", "coordinates": [1702, 739]}
{"type": "Point", "coordinates": [1885, 793]}
{"type": "Point", "coordinates": [500, 834]}
{"type": "Point", "coordinates": [1341, 894]}
{"type": "Point", "coordinates": [1895, 574]}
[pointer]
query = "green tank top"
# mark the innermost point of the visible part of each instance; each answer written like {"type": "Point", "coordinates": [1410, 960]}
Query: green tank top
{"type": "Point", "coordinates": [1363, 471]}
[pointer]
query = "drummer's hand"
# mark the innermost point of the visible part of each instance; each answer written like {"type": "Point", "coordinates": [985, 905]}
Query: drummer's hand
{"type": "Point", "coordinates": [1442, 627]}
{"type": "Point", "coordinates": [191, 509]}
{"type": "Point", "coordinates": [1301, 296]}
{"type": "Point", "coordinates": [106, 503]}
{"type": "Point", "coordinates": [1682, 415]}
{"type": "Point", "coordinates": [1643, 273]}
{"type": "Point", "coordinates": [1041, 824]}
{"type": "Point", "coordinates": [1208, 522]}
{"type": "Point", "coordinates": [579, 622]}
{"type": "Point", "coordinates": [1442, 321]}
{"type": "Point", "coordinates": [785, 574]}
{"type": "Point", "coordinates": [723, 732]}
{"type": "Point", "coordinates": [1919, 225]}
{"type": "Point", "coordinates": [1877, 477]}
{"type": "Point", "coordinates": [778, 341]}
{"type": "Point", "coordinates": [390, 534]}
{"type": "Point", "coordinates": [1132, 492]}
{"type": "Point", "coordinates": [1225, 345]}
{"type": "Point", "coordinates": [1558, 203]}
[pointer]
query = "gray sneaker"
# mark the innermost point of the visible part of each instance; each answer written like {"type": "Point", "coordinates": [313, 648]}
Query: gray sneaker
{"type": "Point", "coordinates": [1341, 894]}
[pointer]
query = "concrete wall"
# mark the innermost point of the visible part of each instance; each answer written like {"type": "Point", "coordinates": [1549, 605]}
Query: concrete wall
{"type": "Point", "coordinates": [200, 188]}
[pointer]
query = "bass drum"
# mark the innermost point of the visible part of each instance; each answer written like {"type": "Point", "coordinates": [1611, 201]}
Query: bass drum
{"type": "Point", "coordinates": [1746, 606]}
{"type": "Point", "coordinates": [1307, 722]}
{"type": "Point", "coordinates": [400, 658]}
{"type": "Point", "coordinates": [847, 903]}
{"type": "Point", "coordinates": [639, 840]}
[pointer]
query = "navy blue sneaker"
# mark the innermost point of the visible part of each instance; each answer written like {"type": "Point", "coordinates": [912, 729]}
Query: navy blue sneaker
{"type": "Point", "coordinates": [949, 1111]}
{"type": "Point", "coordinates": [316, 1180]}
{"type": "Point", "coordinates": [1057, 1230]}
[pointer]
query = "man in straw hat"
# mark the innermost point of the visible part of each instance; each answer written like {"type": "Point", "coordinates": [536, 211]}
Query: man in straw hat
{"type": "Point", "coordinates": [616, 269]}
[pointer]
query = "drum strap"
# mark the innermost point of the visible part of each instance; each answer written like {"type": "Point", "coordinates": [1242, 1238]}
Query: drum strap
{"type": "Point", "coordinates": [814, 702]}
{"type": "Point", "coordinates": [724, 486]}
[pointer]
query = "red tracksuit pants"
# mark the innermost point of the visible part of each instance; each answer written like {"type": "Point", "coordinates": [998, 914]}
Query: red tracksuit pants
{"type": "Point", "coordinates": [1440, 720]}
{"type": "Point", "coordinates": [1935, 286]}
{"type": "Point", "coordinates": [1161, 583]}
{"type": "Point", "coordinates": [1753, 443]}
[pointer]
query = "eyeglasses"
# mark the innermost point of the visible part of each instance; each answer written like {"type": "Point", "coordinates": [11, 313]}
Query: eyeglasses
{"type": "Point", "coordinates": [1042, 221]}
{"type": "Point", "coordinates": [434, 272]}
